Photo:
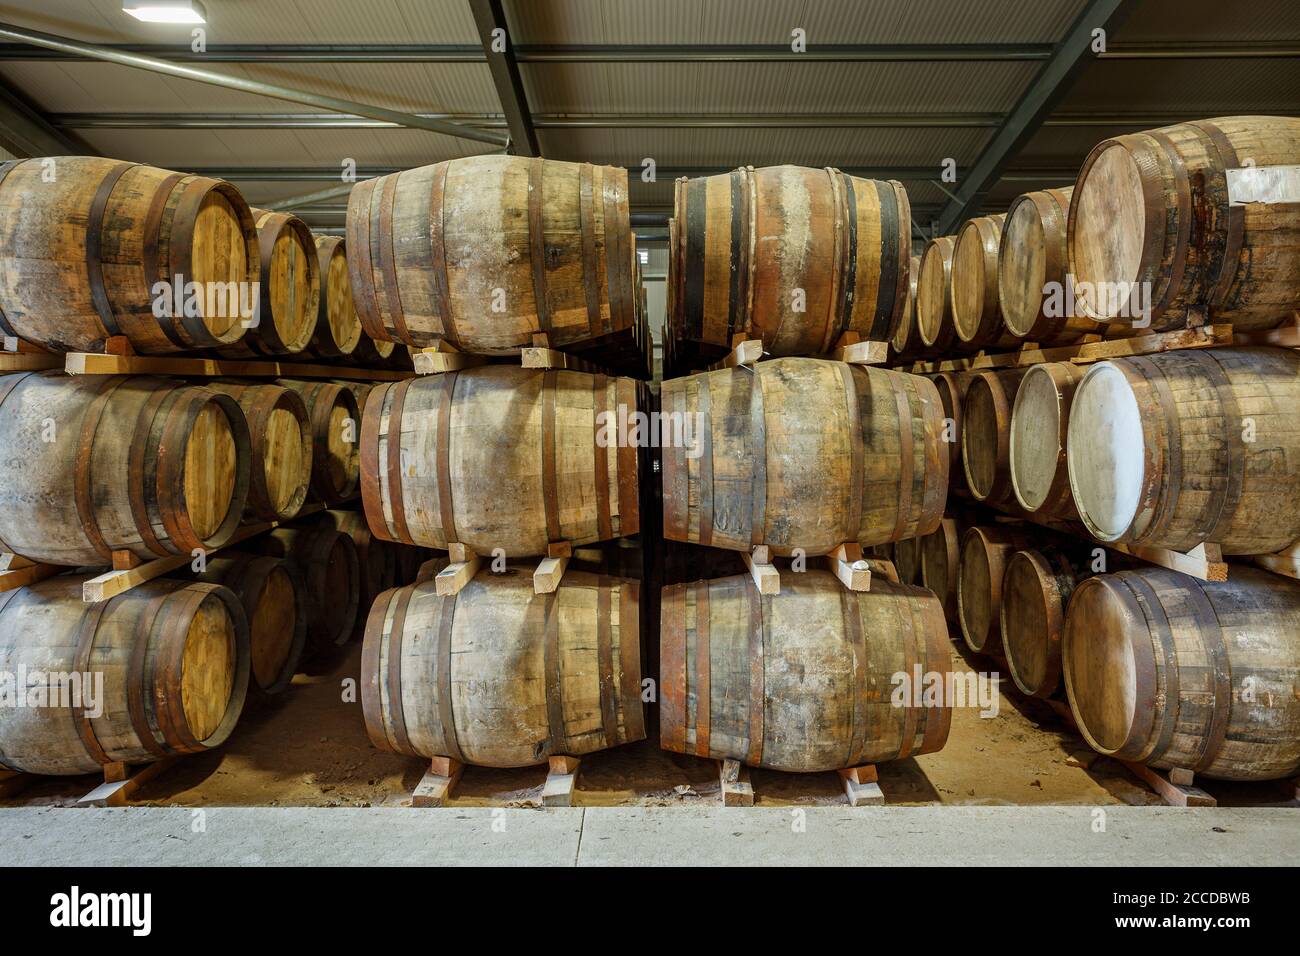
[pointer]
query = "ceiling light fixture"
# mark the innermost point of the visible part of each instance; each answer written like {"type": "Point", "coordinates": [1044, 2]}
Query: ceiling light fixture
{"type": "Point", "coordinates": [166, 11]}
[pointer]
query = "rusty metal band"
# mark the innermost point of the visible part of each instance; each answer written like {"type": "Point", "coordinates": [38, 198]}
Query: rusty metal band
{"type": "Point", "coordinates": [1210, 631]}
{"type": "Point", "coordinates": [537, 244]}
{"type": "Point", "coordinates": [1234, 224]}
{"type": "Point", "coordinates": [95, 248]}
{"type": "Point", "coordinates": [628, 458]}
{"type": "Point", "coordinates": [1152, 741]}
{"type": "Point", "coordinates": [1166, 415]}
{"type": "Point", "coordinates": [600, 453]}
{"type": "Point", "coordinates": [446, 710]}
{"type": "Point", "coordinates": [169, 704]}
{"type": "Point", "coordinates": [5, 170]}
{"type": "Point", "coordinates": [1183, 217]}
{"type": "Point", "coordinates": [907, 474]}
{"type": "Point", "coordinates": [265, 338]}
{"type": "Point", "coordinates": [889, 264]}
{"type": "Point", "coordinates": [181, 252]}
{"type": "Point", "coordinates": [616, 211]}
{"type": "Point", "coordinates": [86, 630]}
{"type": "Point", "coordinates": [906, 633]}
{"type": "Point", "coordinates": [554, 685]}
{"type": "Point", "coordinates": [388, 259]}
{"type": "Point", "coordinates": [605, 661]}
{"type": "Point", "coordinates": [856, 422]}
{"type": "Point", "coordinates": [938, 657]}
{"type": "Point", "coordinates": [696, 254]}
{"type": "Point", "coordinates": [758, 454]}
{"type": "Point", "coordinates": [7, 384]}
{"type": "Point", "coordinates": [1220, 509]}
{"type": "Point", "coordinates": [137, 696]}
{"type": "Point", "coordinates": [851, 609]}
{"type": "Point", "coordinates": [361, 260]}
{"type": "Point", "coordinates": [149, 255]}
{"type": "Point", "coordinates": [393, 676]}
{"type": "Point", "coordinates": [137, 459]}
{"type": "Point", "coordinates": [393, 461]}
{"type": "Point", "coordinates": [891, 260]}
{"type": "Point", "coordinates": [760, 626]}
{"type": "Point", "coordinates": [703, 670]}
{"type": "Point", "coordinates": [751, 258]}
{"type": "Point", "coordinates": [629, 654]}
{"type": "Point", "coordinates": [587, 223]}
{"type": "Point", "coordinates": [372, 500]}
{"type": "Point", "coordinates": [707, 490]}
{"type": "Point", "coordinates": [676, 490]}
{"type": "Point", "coordinates": [672, 670]}
{"type": "Point", "coordinates": [177, 425]}
{"type": "Point", "coordinates": [438, 250]}
{"type": "Point", "coordinates": [739, 244]}
{"type": "Point", "coordinates": [550, 493]}
{"type": "Point", "coordinates": [83, 470]}
{"type": "Point", "coordinates": [371, 652]}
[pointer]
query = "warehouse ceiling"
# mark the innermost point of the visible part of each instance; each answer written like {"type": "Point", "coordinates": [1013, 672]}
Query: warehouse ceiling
{"type": "Point", "coordinates": [889, 88]}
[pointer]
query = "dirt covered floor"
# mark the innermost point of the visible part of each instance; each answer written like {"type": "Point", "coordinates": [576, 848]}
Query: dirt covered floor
{"type": "Point", "coordinates": [310, 749]}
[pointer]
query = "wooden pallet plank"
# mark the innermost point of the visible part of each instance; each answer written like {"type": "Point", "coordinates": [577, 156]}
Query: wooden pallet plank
{"type": "Point", "coordinates": [862, 786]}
{"type": "Point", "coordinates": [765, 575]}
{"type": "Point", "coordinates": [96, 363]}
{"type": "Point", "coordinates": [561, 781]}
{"type": "Point", "coordinates": [436, 786]}
{"type": "Point", "coordinates": [1175, 789]}
{"type": "Point", "coordinates": [737, 790]}
{"type": "Point", "coordinates": [21, 577]}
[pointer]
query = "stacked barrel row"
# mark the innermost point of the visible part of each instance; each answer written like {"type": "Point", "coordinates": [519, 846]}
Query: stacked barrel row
{"type": "Point", "coordinates": [490, 255]}
{"type": "Point", "coordinates": [104, 472]}
{"type": "Point", "coordinates": [793, 458]}
{"type": "Point", "coordinates": [1173, 449]}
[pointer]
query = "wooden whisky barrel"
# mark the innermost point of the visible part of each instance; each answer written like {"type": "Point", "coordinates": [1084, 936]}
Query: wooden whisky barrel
{"type": "Point", "coordinates": [280, 442]}
{"type": "Point", "coordinates": [940, 556]}
{"type": "Point", "coordinates": [157, 671]}
{"type": "Point", "coordinates": [906, 340]}
{"type": "Point", "coordinates": [952, 393]}
{"type": "Point", "coordinates": [984, 555]}
{"type": "Point", "coordinates": [331, 573]}
{"type": "Point", "coordinates": [1183, 448]}
{"type": "Point", "coordinates": [986, 433]}
{"type": "Point", "coordinates": [501, 677]}
{"type": "Point", "coordinates": [337, 333]}
{"type": "Point", "coordinates": [907, 560]}
{"type": "Point", "coordinates": [86, 239]}
{"type": "Point", "coordinates": [1033, 269]}
{"type": "Point", "coordinates": [1173, 672]}
{"type": "Point", "coordinates": [487, 251]}
{"type": "Point", "coordinates": [790, 255]}
{"type": "Point", "coordinates": [1040, 416]}
{"type": "Point", "coordinates": [97, 464]}
{"type": "Point", "coordinates": [1195, 211]}
{"type": "Point", "coordinates": [271, 592]}
{"type": "Point", "coordinates": [934, 297]}
{"type": "Point", "coordinates": [1036, 589]}
{"type": "Point", "coordinates": [375, 353]}
{"type": "Point", "coordinates": [802, 680]}
{"type": "Point", "coordinates": [335, 421]}
{"type": "Point", "coordinates": [804, 453]}
{"type": "Point", "coordinates": [976, 313]}
{"type": "Point", "coordinates": [378, 560]}
{"type": "Point", "coordinates": [515, 458]}
{"type": "Point", "coordinates": [289, 288]}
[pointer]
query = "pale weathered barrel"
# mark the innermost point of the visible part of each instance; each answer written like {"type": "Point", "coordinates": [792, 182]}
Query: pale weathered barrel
{"type": "Point", "coordinates": [338, 328]}
{"type": "Point", "coordinates": [805, 680]}
{"type": "Point", "coordinates": [1177, 673]}
{"type": "Point", "coordinates": [934, 297]}
{"type": "Point", "coordinates": [1203, 215]}
{"type": "Point", "coordinates": [976, 313]}
{"type": "Point", "coordinates": [1033, 270]}
{"type": "Point", "coordinates": [499, 676]}
{"type": "Point", "coordinates": [274, 600]}
{"type": "Point", "coordinates": [803, 453]}
{"type": "Point", "coordinates": [1183, 448]}
{"type": "Point", "coordinates": [280, 440]}
{"type": "Point", "coordinates": [940, 556]}
{"type": "Point", "coordinates": [1040, 416]}
{"type": "Point", "coordinates": [327, 562]}
{"type": "Point", "coordinates": [335, 421]}
{"type": "Point", "coordinates": [487, 251]}
{"type": "Point", "coordinates": [157, 671]}
{"type": "Point", "coordinates": [1036, 588]}
{"type": "Point", "coordinates": [289, 290]}
{"type": "Point", "coordinates": [510, 458]}
{"type": "Point", "coordinates": [906, 340]}
{"type": "Point", "coordinates": [90, 465]}
{"type": "Point", "coordinates": [986, 433]}
{"type": "Point", "coordinates": [85, 241]}
{"type": "Point", "coordinates": [790, 255]}
{"type": "Point", "coordinates": [984, 555]}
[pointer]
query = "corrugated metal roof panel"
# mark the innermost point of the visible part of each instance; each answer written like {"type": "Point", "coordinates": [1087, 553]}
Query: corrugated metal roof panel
{"type": "Point", "coordinates": [1212, 20]}
{"type": "Point", "coordinates": [773, 87]}
{"type": "Point", "coordinates": [770, 21]}
{"type": "Point", "coordinates": [1200, 88]}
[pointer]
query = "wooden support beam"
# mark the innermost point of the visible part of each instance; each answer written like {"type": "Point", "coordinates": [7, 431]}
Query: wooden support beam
{"type": "Point", "coordinates": [121, 783]}
{"type": "Point", "coordinates": [847, 563]}
{"type": "Point", "coordinates": [862, 786]}
{"type": "Point", "coordinates": [1174, 787]}
{"type": "Point", "coordinates": [561, 781]}
{"type": "Point", "coordinates": [29, 362]}
{"type": "Point", "coordinates": [455, 576]}
{"type": "Point", "coordinates": [765, 575]}
{"type": "Point", "coordinates": [860, 352]}
{"type": "Point", "coordinates": [744, 352]}
{"type": "Point", "coordinates": [737, 791]}
{"type": "Point", "coordinates": [12, 562]}
{"type": "Point", "coordinates": [103, 363]}
{"type": "Point", "coordinates": [546, 579]}
{"type": "Point", "coordinates": [1204, 561]}
{"type": "Point", "coordinates": [436, 786]}
{"type": "Point", "coordinates": [21, 577]}
{"type": "Point", "coordinates": [539, 357]}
